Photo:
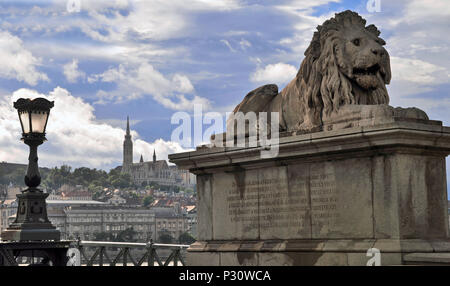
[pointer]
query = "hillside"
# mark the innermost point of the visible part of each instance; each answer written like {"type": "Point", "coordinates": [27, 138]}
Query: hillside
{"type": "Point", "coordinates": [14, 173]}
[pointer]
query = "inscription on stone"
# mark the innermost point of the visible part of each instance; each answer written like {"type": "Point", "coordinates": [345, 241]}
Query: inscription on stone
{"type": "Point", "coordinates": [284, 202]}
{"type": "Point", "coordinates": [266, 203]}
{"type": "Point", "coordinates": [324, 199]}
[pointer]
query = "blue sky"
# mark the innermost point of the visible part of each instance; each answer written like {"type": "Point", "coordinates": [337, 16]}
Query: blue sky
{"type": "Point", "coordinates": [149, 59]}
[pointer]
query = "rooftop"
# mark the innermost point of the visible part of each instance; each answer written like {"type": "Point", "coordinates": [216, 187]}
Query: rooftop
{"type": "Point", "coordinates": [74, 202]}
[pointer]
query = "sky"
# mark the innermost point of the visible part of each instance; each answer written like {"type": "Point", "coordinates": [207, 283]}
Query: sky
{"type": "Point", "coordinates": [103, 60]}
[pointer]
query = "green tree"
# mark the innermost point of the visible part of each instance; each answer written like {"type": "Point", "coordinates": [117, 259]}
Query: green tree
{"type": "Point", "coordinates": [93, 179]}
{"type": "Point", "coordinates": [127, 235]}
{"type": "Point", "coordinates": [103, 236]}
{"type": "Point", "coordinates": [186, 238]}
{"type": "Point", "coordinates": [55, 178]}
{"type": "Point", "coordinates": [17, 176]}
{"type": "Point", "coordinates": [165, 237]}
{"type": "Point", "coordinates": [147, 200]}
{"type": "Point", "coordinates": [65, 170]}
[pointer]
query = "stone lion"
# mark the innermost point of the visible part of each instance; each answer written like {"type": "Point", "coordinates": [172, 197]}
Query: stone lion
{"type": "Point", "coordinates": [345, 64]}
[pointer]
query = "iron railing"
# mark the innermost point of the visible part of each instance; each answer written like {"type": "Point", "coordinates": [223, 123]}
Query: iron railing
{"type": "Point", "coordinates": [150, 256]}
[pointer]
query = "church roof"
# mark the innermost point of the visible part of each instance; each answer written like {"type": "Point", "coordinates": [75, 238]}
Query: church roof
{"type": "Point", "coordinates": [160, 164]}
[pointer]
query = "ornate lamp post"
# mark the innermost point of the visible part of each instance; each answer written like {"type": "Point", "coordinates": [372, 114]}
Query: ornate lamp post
{"type": "Point", "coordinates": [31, 222]}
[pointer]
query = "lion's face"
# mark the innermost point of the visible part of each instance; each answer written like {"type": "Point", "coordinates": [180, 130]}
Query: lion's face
{"type": "Point", "coordinates": [344, 64]}
{"type": "Point", "coordinates": [362, 58]}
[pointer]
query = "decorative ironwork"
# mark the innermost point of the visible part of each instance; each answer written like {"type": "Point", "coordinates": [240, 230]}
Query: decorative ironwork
{"type": "Point", "coordinates": [150, 255]}
{"type": "Point", "coordinates": [12, 253]}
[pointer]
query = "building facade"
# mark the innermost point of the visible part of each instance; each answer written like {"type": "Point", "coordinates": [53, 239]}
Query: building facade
{"type": "Point", "coordinates": [90, 220]}
{"type": "Point", "coordinates": [87, 222]}
{"type": "Point", "coordinates": [8, 208]}
{"type": "Point", "coordinates": [156, 171]}
{"type": "Point", "coordinates": [171, 221]}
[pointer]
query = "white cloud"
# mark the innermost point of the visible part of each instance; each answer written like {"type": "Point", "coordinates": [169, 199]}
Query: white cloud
{"type": "Point", "coordinates": [115, 21]}
{"type": "Point", "coordinates": [244, 44]}
{"type": "Point", "coordinates": [226, 43]}
{"type": "Point", "coordinates": [417, 71]}
{"type": "Point", "coordinates": [182, 83]}
{"type": "Point", "coordinates": [417, 10]}
{"type": "Point", "coordinates": [17, 62]}
{"type": "Point", "coordinates": [303, 27]}
{"type": "Point", "coordinates": [233, 33]}
{"type": "Point", "coordinates": [162, 147]}
{"type": "Point", "coordinates": [298, 6]}
{"type": "Point", "coordinates": [279, 73]}
{"type": "Point", "coordinates": [135, 81]}
{"type": "Point", "coordinates": [71, 71]}
{"type": "Point", "coordinates": [74, 135]}
{"type": "Point", "coordinates": [149, 19]}
{"type": "Point", "coordinates": [114, 53]}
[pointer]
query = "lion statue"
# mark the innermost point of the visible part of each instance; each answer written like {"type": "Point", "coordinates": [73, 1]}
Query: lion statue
{"type": "Point", "coordinates": [344, 64]}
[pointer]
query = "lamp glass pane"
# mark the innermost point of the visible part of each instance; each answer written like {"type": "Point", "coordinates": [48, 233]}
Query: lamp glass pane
{"type": "Point", "coordinates": [24, 119]}
{"type": "Point", "coordinates": [38, 119]}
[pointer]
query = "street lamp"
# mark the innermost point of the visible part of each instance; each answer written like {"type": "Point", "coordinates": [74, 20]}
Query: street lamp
{"type": "Point", "coordinates": [31, 219]}
{"type": "Point", "coordinates": [33, 115]}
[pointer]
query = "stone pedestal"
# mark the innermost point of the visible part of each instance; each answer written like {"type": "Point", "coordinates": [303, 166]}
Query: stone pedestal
{"type": "Point", "coordinates": [327, 198]}
{"type": "Point", "coordinates": [31, 223]}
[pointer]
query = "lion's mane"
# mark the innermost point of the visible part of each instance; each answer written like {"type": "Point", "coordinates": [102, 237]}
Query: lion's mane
{"type": "Point", "coordinates": [320, 85]}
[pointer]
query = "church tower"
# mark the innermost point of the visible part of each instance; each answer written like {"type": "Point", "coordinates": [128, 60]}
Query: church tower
{"type": "Point", "coordinates": [127, 150]}
{"type": "Point", "coordinates": [154, 156]}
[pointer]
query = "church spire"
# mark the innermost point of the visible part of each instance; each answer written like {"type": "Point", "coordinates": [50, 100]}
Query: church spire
{"type": "Point", "coordinates": [127, 150]}
{"type": "Point", "coordinates": [154, 156]}
{"type": "Point", "coordinates": [142, 159]}
{"type": "Point", "coordinates": [128, 126]}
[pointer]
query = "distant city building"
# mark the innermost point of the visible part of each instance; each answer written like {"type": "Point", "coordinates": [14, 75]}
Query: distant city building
{"type": "Point", "coordinates": [77, 192]}
{"type": "Point", "coordinates": [191, 212]}
{"type": "Point", "coordinates": [157, 171]}
{"type": "Point", "coordinates": [172, 221]}
{"type": "Point", "coordinates": [87, 219]}
{"type": "Point", "coordinates": [86, 222]}
{"type": "Point", "coordinates": [8, 208]}
{"type": "Point", "coordinates": [12, 191]}
{"type": "Point", "coordinates": [69, 192]}
{"type": "Point", "coordinates": [117, 200]}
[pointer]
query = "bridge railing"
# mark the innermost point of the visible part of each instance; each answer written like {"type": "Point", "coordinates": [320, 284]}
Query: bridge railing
{"type": "Point", "coordinates": [149, 257]}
